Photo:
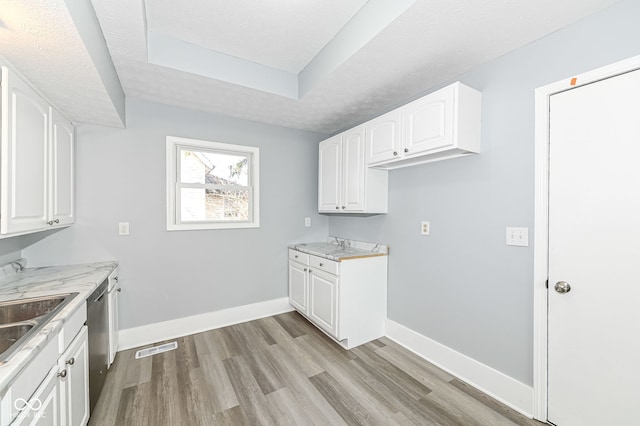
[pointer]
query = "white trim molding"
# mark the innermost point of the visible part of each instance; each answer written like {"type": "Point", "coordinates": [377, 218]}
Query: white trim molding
{"type": "Point", "coordinates": [541, 219]}
{"type": "Point", "coordinates": [153, 333]}
{"type": "Point", "coordinates": [492, 382]}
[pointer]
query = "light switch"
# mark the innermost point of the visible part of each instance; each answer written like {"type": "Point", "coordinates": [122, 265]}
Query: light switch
{"type": "Point", "coordinates": [517, 236]}
{"type": "Point", "coordinates": [123, 228]}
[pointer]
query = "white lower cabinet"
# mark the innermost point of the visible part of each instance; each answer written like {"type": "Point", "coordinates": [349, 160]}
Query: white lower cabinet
{"type": "Point", "coordinates": [323, 301]}
{"type": "Point", "coordinates": [44, 407]}
{"type": "Point", "coordinates": [53, 389]}
{"type": "Point", "coordinates": [347, 300]}
{"type": "Point", "coordinates": [74, 368]}
{"type": "Point", "coordinates": [299, 286]}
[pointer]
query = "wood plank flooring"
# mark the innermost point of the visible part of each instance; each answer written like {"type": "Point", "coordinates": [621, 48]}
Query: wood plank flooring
{"type": "Point", "coordinates": [281, 370]}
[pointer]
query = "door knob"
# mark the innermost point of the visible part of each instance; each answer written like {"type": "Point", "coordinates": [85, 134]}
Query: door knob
{"type": "Point", "coordinates": [562, 287]}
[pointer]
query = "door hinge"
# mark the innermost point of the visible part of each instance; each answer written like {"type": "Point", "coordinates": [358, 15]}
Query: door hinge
{"type": "Point", "coordinates": [546, 284]}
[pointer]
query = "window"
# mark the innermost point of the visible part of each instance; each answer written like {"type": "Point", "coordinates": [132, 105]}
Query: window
{"type": "Point", "coordinates": [211, 185]}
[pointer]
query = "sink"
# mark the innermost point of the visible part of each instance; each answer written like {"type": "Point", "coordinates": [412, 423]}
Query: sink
{"type": "Point", "coordinates": [27, 309]}
{"type": "Point", "coordinates": [21, 319]}
{"type": "Point", "coordinates": [11, 333]}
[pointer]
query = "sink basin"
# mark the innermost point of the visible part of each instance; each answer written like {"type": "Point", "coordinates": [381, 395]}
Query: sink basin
{"type": "Point", "coordinates": [21, 319]}
{"type": "Point", "coordinates": [27, 309]}
{"type": "Point", "coordinates": [11, 333]}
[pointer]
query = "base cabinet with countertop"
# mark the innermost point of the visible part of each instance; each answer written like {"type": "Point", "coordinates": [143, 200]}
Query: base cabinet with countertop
{"type": "Point", "coordinates": [61, 395]}
{"type": "Point", "coordinates": [44, 380]}
{"type": "Point", "coordinates": [345, 295]}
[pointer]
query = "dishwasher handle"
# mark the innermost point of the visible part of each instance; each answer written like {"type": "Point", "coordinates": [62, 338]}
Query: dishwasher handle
{"type": "Point", "coordinates": [99, 293]}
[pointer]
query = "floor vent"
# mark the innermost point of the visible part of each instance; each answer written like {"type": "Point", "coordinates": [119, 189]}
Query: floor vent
{"type": "Point", "coordinates": [156, 350]}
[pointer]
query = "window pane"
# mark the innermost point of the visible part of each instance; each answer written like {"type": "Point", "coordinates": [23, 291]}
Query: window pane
{"type": "Point", "coordinates": [199, 204]}
{"type": "Point", "coordinates": [213, 168]}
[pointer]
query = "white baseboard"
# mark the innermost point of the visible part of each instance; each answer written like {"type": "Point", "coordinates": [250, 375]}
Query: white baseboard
{"type": "Point", "coordinates": [153, 333]}
{"type": "Point", "coordinates": [498, 385]}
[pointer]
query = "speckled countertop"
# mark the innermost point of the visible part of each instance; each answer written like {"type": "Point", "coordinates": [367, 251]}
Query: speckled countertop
{"type": "Point", "coordinates": [340, 249]}
{"type": "Point", "coordinates": [17, 282]}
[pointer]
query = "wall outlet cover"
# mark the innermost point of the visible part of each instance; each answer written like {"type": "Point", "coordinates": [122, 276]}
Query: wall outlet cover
{"type": "Point", "coordinates": [425, 228]}
{"type": "Point", "coordinates": [123, 228]}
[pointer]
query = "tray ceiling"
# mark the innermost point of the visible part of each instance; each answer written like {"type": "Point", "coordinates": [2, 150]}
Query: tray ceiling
{"type": "Point", "coordinates": [317, 65]}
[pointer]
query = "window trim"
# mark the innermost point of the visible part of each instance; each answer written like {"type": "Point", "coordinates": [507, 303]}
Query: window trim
{"type": "Point", "coordinates": [174, 144]}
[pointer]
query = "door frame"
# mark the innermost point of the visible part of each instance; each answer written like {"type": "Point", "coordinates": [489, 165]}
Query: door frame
{"type": "Point", "coordinates": [541, 219]}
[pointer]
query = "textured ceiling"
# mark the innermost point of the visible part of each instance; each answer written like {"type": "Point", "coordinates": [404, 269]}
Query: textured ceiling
{"type": "Point", "coordinates": [43, 43]}
{"type": "Point", "coordinates": [432, 42]}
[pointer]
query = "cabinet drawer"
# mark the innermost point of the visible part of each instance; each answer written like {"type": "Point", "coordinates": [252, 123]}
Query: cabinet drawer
{"type": "Point", "coordinates": [298, 256]}
{"type": "Point", "coordinates": [323, 264]}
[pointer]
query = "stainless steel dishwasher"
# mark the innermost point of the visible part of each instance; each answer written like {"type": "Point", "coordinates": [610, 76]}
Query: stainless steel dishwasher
{"type": "Point", "coordinates": [98, 325]}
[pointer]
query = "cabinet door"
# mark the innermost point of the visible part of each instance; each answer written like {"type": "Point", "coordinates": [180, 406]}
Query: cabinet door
{"type": "Point", "coordinates": [43, 409]}
{"type": "Point", "coordinates": [428, 122]}
{"type": "Point", "coordinates": [75, 384]}
{"type": "Point", "coordinates": [323, 301]}
{"type": "Point", "coordinates": [25, 136]}
{"type": "Point", "coordinates": [382, 137]}
{"type": "Point", "coordinates": [298, 287]}
{"type": "Point", "coordinates": [61, 206]}
{"type": "Point", "coordinates": [353, 172]}
{"type": "Point", "coordinates": [329, 175]}
{"type": "Point", "coordinates": [113, 323]}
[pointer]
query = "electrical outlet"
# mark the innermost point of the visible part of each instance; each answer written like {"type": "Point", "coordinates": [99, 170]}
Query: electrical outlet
{"type": "Point", "coordinates": [517, 236]}
{"type": "Point", "coordinates": [307, 222]}
{"type": "Point", "coordinates": [426, 228]}
{"type": "Point", "coordinates": [123, 228]}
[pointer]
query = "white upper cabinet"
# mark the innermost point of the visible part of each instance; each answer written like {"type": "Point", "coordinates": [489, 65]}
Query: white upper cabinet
{"type": "Point", "coordinates": [353, 170]}
{"type": "Point", "coordinates": [330, 174]}
{"type": "Point", "coordinates": [25, 137]}
{"type": "Point", "coordinates": [61, 184]}
{"type": "Point", "coordinates": [345, 183]}
{"type": "Point", "coordinates": [36, 180]}
{"type": "Point", "coordinates": [383, 137]}
{"type": "Point", "coordinates": [429, 122]}
{"type": "Point", "coordinates": [442, 125]}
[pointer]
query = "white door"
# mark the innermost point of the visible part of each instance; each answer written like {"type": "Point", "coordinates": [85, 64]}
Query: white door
{"type": "Point", "coordinates": [594, 246]}
{"type": "Point", "coordinates": [329, 175]}
{"type": "Point", "coordinates": [353, 169]}
{"type": "Point", "coordinates": [61, 204]}
{"type": "Point", "coordinates": [25, 137]}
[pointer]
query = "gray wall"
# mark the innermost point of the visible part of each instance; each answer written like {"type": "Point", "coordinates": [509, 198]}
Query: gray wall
{"type": "Point", "coordinates": [462, 286]}
{"type": "Point", "coordinates": [167, 275]}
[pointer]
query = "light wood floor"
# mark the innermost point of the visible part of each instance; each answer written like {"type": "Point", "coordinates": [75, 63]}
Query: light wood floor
{"type": "Point", "coordinates": [283, 371]}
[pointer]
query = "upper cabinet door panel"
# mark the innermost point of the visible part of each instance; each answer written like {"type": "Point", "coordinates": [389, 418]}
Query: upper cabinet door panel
{"type": "Point", "coordinates": [62, 166]}
{"type": "Point", "coordinates": [382, 137]}
{"type": "Point", "coordinates": [429, 122]}
{"type": "Point", "coordinates": [353, 152]}
{"type": "Point", "coordinates": [330, 178]}
{"type": "Point", "coordinates": [25, 133]}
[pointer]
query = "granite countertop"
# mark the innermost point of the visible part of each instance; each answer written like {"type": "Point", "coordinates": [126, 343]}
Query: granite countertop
{"type": "Point", "coordinates": [17, 282]}
{"type": "Point", "coordinates": [339, 249]}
